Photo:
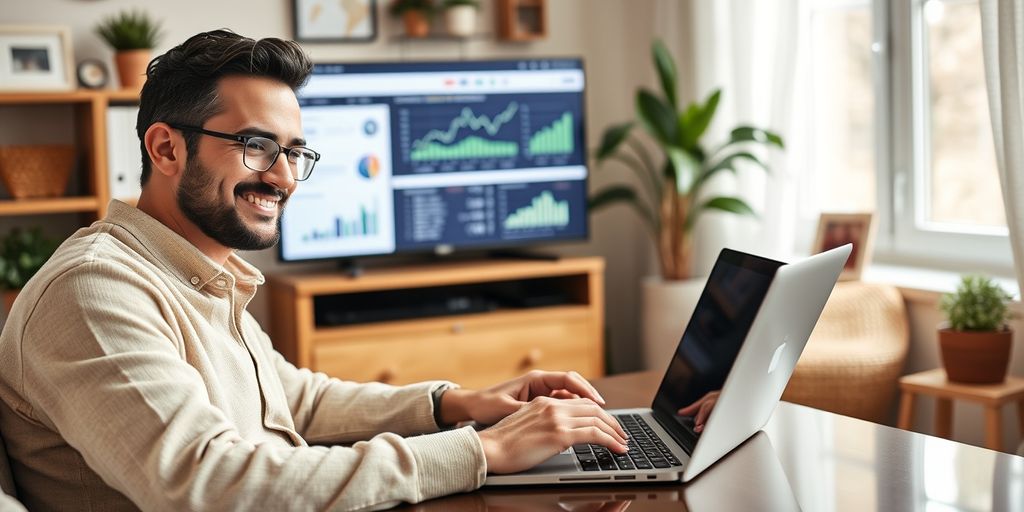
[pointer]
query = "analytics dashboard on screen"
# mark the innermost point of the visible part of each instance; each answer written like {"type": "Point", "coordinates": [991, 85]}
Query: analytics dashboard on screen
{"type": "Point", "coordinates": [429, 156]}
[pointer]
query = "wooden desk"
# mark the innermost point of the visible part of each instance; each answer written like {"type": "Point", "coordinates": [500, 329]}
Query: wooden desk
{"type": "Point", "coordinates": [993, 397]}
{"type": "Point", "coordinates": [805, 459]}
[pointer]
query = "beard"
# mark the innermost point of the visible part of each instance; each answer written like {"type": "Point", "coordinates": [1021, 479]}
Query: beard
{"type": "Point", "coordinates": [197, 198]}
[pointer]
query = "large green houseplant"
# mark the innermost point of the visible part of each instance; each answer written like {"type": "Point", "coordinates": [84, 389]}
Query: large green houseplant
{"type": "Point", "coordinates": [672, 199]}
{"type": "Point", "coordinates": [975, 344]}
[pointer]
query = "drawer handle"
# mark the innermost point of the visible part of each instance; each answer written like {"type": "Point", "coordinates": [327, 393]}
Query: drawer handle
{"type": "Point", "coordinates": [388, 375]}
{"type": "Point", "coordinates": [533, 357]}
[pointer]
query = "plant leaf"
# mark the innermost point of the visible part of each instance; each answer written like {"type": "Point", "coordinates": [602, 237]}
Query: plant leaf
{"type": "Point", "coordinates": [751, 134]}
{"type": "Point", "coordinates": [687, 168]}
{"type": "Point", "coordinates": [666, 67]}
{"type": "Point", "coordinates": [729, 204]}
{"type": "Point", "coordinates": [657, 117]}
{"type": "Point", "coordinates": [623, 194]}
{"type": "Point", "coordinates": [728, 163]}
{"type": "Point", "coordinates": [704, 116]}
{"type": "Point", "coordinates": [612, 138]}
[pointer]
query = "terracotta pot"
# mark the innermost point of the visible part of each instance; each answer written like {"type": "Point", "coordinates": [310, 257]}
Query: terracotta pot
{"type": "Point", "coordinates": [976, 357]}
{"type": "Point", "coordinates": [416, 23]}
{"type": "Point", "coordinates": [131, 67]}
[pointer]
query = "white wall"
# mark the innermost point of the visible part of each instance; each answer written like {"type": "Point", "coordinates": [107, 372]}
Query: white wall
{"type": "Point", "coordinates": [613, 37]}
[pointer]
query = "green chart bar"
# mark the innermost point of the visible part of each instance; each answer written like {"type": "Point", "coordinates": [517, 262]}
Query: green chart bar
{"type": "Point", "coordinates": [556, 139]}
{"type": "Point", "coordinates": [365, 225]}
{"type": "Point", "coordinates": [543, 212]}
{"type": "Point", "coordinates": [470, 147]}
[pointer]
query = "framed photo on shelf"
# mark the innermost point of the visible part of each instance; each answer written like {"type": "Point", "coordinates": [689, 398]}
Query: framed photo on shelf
{"type": "Point", "coordinates": [335, 21]}
{"type": "Point", "coordinates": [836, 229]}
{"type": "Point", "coordinates": [36, 58]}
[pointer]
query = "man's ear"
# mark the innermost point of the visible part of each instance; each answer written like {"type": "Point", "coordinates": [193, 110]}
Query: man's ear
{"type": "Point", "coordinates": [166, 148]}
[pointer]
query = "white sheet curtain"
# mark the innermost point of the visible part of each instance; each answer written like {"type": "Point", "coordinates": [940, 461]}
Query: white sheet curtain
{"type": "Point", "coordinates": [749, 49]}
{"type": "Point", "coordinates": [1002, 30]}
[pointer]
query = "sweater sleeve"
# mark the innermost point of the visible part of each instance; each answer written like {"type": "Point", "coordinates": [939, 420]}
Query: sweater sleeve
{"type": "Point", "coordinates": [103, 367]}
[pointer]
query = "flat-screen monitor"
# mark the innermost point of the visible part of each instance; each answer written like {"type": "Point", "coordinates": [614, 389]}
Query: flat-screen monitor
{"type": "Point", "coordinates": [439, 156]}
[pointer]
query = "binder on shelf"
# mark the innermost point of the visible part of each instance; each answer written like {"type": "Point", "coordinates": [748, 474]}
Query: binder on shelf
{"type": "Point", "coordinates": [123, 153]}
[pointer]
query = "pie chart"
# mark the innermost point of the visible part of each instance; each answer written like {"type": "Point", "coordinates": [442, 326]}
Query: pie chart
{"type": "Point", "coordinates": [369, 167]}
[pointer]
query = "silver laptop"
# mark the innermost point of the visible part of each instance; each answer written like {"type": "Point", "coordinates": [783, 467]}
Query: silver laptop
{"type": "Point", "coordinates": [740, 347]}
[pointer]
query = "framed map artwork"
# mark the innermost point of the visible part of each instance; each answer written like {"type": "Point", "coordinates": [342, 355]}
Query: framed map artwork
{"type": "Point", "coordinates": [335, 21]}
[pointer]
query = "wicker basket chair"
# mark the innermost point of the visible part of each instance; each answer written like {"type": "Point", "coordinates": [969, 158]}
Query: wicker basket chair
{"type": "Point", "coordinates": [855, 355]}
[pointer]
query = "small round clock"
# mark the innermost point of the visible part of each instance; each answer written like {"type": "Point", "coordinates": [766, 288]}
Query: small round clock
{"type": "Point", "coordinates": [93, 74]}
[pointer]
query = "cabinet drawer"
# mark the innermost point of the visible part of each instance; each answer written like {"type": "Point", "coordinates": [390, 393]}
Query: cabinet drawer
{"type": "Point", "coordinates": [474, 358]}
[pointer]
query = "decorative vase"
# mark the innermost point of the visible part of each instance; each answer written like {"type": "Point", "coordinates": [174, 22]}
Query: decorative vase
{"type": "Point", "coordinates": [975, 357]}
{"type": "Point", "coordinates": [416, 23]}
{"type": "Point", "coordinates": [460, 20]}
{"type": "Point", "coordinates": [667, 307]}
{"type": "Point", "coordinates": [131, 67]}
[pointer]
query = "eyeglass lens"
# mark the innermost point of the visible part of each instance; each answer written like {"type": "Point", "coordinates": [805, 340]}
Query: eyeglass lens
{"type": "Point", "coordinates": [261, 153]}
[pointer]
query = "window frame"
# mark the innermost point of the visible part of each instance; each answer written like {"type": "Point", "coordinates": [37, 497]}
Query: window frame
{"type": "Point", "coordinates": [902, 102]}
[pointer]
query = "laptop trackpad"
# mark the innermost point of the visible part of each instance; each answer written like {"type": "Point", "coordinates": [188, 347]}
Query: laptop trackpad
{"type": "Point", "coordinates": [563, 463]}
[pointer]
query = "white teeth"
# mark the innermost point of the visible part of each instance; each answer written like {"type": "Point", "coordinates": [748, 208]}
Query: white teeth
{"type": "Point", "coordinates": [266, 203]}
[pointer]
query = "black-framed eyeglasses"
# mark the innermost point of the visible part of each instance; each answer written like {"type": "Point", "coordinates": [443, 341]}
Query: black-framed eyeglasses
{"type": "Point", "coordinates": [260, 153]}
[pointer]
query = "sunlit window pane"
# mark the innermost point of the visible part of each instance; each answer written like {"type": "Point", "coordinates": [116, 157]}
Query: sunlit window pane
{"type": "Point", "coordinates": [843, 123]}
{"type": "Point", "coordinates": [963, 182]}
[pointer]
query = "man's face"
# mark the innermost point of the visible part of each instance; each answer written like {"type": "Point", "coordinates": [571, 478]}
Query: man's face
{"type": "Point", "coordinates": [230, 203]}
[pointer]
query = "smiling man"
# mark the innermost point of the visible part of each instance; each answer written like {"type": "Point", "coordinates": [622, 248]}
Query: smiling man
{"type": "Point", "coordinates": [131, 374]}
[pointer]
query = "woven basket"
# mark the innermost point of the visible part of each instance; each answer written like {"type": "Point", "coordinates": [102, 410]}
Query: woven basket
{"type": "Point", "coordinates": [36, 170]}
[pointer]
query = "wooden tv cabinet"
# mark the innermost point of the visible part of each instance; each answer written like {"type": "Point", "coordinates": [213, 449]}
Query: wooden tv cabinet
{"type": "Point", "coordinates": [474, 350]}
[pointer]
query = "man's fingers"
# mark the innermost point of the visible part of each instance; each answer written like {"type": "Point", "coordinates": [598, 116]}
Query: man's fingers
{"type": "Point", "coordinates": [571, 382]}
{"type": "Point", "coordinates": [585, 407]}
{"type": "Point", "coordinates": [562, 394]}
{"type": "Point", "coordinates": [583, 422]}
{"type": "Point", "coordinates": [704, 412]}
{"type": "Point", "coordinates": [596, 436]}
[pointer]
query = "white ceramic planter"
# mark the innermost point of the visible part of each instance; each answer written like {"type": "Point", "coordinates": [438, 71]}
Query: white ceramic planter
{"type": "Point", "coordinates": [667, 307]}
{"type": "Point", "coordinates": [460, 20]}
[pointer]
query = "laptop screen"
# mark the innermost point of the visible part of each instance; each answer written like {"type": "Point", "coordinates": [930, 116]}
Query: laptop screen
{"type": "Point", "coordinates": [724, 314]}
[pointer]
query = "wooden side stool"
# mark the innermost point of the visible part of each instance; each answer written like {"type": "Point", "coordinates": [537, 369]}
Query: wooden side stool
{"type": "Point", "coordinates": [991, 396]}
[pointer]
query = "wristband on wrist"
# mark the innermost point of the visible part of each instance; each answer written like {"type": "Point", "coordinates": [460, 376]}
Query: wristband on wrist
{"type": "Point", "coordinates": [435, 397]}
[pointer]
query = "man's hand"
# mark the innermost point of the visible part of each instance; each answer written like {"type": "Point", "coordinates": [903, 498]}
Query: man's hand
{"type": "Point", "coordinates": [491, 405]}
{"type": "Point", "coordinates": [545, 426]}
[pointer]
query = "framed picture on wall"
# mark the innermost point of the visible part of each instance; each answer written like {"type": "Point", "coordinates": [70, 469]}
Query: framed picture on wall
{"type": "Point", "coordinates": [836, 229]}
{"type": "Point", "coordinates": [335, 21]}
{"type": "Point", "coordinates": [36, 58]}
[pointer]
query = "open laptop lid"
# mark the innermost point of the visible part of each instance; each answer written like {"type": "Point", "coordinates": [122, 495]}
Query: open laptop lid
{"type": "Point", "coordinates": [705, 355]}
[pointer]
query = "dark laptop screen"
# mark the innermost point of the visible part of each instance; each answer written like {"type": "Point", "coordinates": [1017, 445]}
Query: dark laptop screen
{"type": "Point", "coordinates": [709, 346]}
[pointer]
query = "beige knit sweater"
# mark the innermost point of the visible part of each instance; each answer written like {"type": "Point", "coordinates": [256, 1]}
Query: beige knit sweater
{"type": "Point", "coordinates": [131, 375]}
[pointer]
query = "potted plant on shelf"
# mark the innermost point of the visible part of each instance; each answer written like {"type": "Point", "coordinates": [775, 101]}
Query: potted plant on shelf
{"type": "Point", "coordinates": [671, 198]}
{"type": "Point", "coordinates": [975, 344]}
{"type": "Point", "coordinates": [460, 17]}
{"type": "Point", "coordinates": [132, 35]}
{"type": "Point", "coordinates": [22, 253]}
{"type": "Point", "coordinates": [415, 14]}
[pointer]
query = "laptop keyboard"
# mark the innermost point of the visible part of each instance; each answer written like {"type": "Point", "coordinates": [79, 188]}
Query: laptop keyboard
{"type": "Point", "coordinates": [646, 450]}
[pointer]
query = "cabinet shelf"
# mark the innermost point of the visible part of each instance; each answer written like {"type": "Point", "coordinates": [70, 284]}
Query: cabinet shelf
{"type": "Point", "coordinates": [474, 349]}
{"type": "Point", "coordinates": [89, 114]}
{"type": "Point", "coordinates": [55, 205]}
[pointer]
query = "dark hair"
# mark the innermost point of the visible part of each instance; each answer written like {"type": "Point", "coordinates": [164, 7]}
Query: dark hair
{"type": "Point", "coordinates": [181, 85]}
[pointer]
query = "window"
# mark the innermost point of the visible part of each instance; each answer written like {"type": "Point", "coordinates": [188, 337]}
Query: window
{"type": "Point", "coordinates": [899, 124]}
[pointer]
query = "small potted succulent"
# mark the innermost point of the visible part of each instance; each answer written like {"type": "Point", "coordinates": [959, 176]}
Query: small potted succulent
{"type": "Point", "coordinates": [22, 253]}
{"type": "Point", "coordinates": [415, 14]}
{"type": "Point", "coordinates": [975, 344]}
{"type": "Point", "coordinates": [460, 17]}
{"type": "Point", "coordinates": [132, 35]}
